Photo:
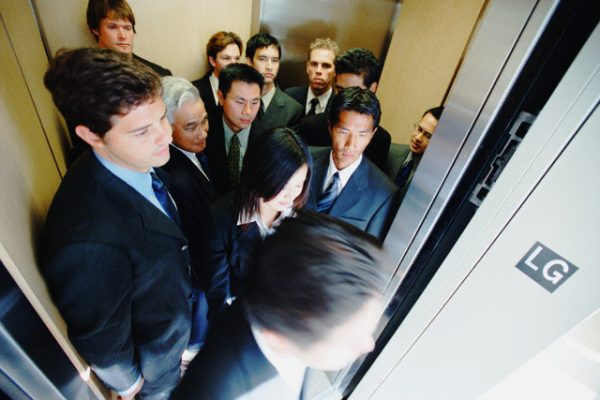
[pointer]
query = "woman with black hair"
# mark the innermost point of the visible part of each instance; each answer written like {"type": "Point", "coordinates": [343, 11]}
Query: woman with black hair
{"type": "Point", "coordinates": [274, 182]}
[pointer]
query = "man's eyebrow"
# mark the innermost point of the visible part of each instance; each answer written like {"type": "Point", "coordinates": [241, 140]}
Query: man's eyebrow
{"type": "Point", "coordinates": [141, 128]}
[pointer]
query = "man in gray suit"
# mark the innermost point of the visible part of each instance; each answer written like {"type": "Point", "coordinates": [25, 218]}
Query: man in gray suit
{"type": "Point", "coordinates": [345, 184]}
{"type": "Point", "coordinates": [263, 52]}
{"type": "Point", "coordinates": [115, 259]}
{"type": "Point", "coordinates": [419, 140]}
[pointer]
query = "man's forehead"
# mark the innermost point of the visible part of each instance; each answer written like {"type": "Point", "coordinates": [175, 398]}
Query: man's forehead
{"type": "Point", "coordinates": [350, 78]}
{"type": "Point", "coordinates": [320, 54]}
{"type": "Point", "coordinates": [112, 17]}
{"type": "Point", "coordinates": [264, 49]}
{"type": "Point", "coordinates": [240, 87]}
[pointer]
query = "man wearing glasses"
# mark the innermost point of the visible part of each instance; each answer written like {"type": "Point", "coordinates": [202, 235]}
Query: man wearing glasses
{"type": "Point", "coordinates": [419, 140]}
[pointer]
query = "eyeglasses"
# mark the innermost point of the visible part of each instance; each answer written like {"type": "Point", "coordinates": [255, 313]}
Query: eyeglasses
{"type": "Point", "coordinates": [422, 131]}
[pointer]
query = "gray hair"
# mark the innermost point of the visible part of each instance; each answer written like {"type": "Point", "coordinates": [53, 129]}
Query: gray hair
{"type": "Point", "coordinates": [176, 92]}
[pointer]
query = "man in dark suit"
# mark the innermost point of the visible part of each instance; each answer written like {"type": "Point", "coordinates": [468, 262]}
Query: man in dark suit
{"type": "Point", "coordinates": [114, 258]}
{"type": "Point", "coordinates": [345, 184]}
{"type": "Point", "coordinates": [191, 188]}
{"type": "Point", "coordinates": [316, 97]}
{"type": "Point", "coordinates": [355, 67]}
{"type": "Point", "coordinates": [113, 25]}
{"type": "Point", "coordinates": [263, 52]}
{"type": "Point", "coordinates": [233, 129]}
{"type": "Point", "coordinates": [223, 48]}
{"type": "Point", "coordinates": [262, 347]}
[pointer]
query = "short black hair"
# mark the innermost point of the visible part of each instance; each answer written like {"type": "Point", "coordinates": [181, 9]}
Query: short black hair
{"type": "Point", "coordinates": [269, 163]}
{"type": "Point", "coordinates": [362, 101]}
{"type": "Point", "coordinates": [89, 86]}
{"type": "Point", "coordinates": [238, 72]}
{"type": "Point", "coordinates": [313, 274]}
{"type": "Point", "coordinates": [435, 111]}
{"type": "Point", "coordinates": [259, 41]}
{"type": "Point", "coordinates": [359, 61]}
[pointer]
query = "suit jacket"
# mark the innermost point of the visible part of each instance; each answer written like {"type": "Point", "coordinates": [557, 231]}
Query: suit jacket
{"type": "Point", "coordinates": [118, 270]}
{"type": "Point", "coordinates": [282, 111]}
{"type": "Point", "coordinates": [314, 130]}
{"type": "Point", "coordinates": [157, 68]}
{"type": "Point", "coordinates": [217, 153]}
{"type": "Point", "coordinates": [193, 194]}
{"type": "Point", "coordinates": [299, 93]}
{"type": "Point", "coordinates": [231, 366]}
{"type": "Point", "coordinates": [368, 201]}
{"type": "Point", "coordinates": [206, 94]}
{"type": "Point", "coordinates": [229, 253]}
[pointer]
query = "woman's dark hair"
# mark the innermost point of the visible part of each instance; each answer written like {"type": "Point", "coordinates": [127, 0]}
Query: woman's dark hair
{"type": "Point", "coordinates": [269, 163]}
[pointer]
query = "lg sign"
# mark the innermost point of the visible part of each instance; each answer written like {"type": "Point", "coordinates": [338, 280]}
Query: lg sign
{"type": "Point", "coordinates": [546, 267]}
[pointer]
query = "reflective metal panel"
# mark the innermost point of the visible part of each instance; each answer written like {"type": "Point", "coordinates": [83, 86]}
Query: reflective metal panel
{"type": "Point", "coordinates": [351, 23]}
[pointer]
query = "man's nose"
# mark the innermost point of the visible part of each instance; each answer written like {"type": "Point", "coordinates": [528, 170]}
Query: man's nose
{"type": "Point", "coordinates": [247, 109]}
{"type": "Point", "coordinates": [350, 141]}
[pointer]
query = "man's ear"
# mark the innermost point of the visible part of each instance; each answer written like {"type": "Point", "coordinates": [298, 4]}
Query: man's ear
{"type": "Point", "coordinates": [220, 97]}
{"type": "Point", "coordinates": [373, 87]}
{"type": "Point", "coordinates": [212, 61]}
{"type": "Point", "coordinates": [88, 136]}
{"type": "Point", "coordinates": [249, 61]}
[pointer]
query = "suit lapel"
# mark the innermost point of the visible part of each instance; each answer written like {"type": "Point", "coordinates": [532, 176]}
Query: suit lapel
{"type": "Point", "coordinates": [188, 165]}
{"type": "Point", "coordinates": [153, 219]}
{"type": "Point", "coordinates": [353, 192]}
{"type": "Point", "coordinates": [320, 165]}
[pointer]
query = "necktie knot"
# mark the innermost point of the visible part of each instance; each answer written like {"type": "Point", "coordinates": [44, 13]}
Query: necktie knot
{"type": "Point", "coordinates": [314, 102]}
{"type": "Point", "coordinates": [329, 195]}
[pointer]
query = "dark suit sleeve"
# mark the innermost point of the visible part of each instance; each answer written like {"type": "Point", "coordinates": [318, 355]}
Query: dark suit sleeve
{"type": "Point", "coordinates": [98, 310]}
{"type": "Point", "coordinates": [382, 218]}
{"type": "Point", "coordinates": [217, 263]}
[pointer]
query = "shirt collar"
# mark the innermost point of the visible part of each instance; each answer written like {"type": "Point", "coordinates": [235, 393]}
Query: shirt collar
{"type": "Point", "coordinates": [266, 99]}
{"type": "Point", "coordinates": [323, 99]}
{"type": "Point", "coordinates": [141, 182]}
{"type": "Point", "coordinates": [290, 368]}
{"type": "Point", "coordinates": [265, 230]}
{"type": "Point", "coordinates": [242, 135]}
{"type": "Point", "coordinates": [192, 157]}
{"type": "Point", "coordinates": [344, 174]}
{"type": "Point", "coordinates": [214, 85]}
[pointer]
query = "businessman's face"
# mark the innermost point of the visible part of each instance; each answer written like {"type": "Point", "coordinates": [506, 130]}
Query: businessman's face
{"type": "Point", "coordinates": [229, 55]}
{"type": "Point", "coordinates": [422, 133]}
{"type": "Point", "coordinates": [320, 70]}
{"type": "Point", "coordinates": [349, 137]}
{"type": "Point", "coordinates": [240, 104]}
{"type": "Point", "coordinates": [190, 126]}
{"type": "Point", "coordinates": [115, 34]}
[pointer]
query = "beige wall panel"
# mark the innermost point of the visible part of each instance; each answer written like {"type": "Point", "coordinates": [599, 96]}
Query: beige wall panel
{"type": "Point", "coordinates": [171, 34]}
{"type": "Point", "coordinates": [426, 48]}
{"type": "Point", "coordinates": [27, 44]}
{"type": "Point", "coordinates": [28, 177]}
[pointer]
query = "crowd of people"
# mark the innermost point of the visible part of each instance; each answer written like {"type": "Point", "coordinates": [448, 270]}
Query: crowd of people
{"type": "Point", "coordinates": [223, 229]}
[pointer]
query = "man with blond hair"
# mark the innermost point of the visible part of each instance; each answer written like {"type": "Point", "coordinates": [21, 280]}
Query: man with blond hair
{"type": "Point", "coordinates": [320, 69]}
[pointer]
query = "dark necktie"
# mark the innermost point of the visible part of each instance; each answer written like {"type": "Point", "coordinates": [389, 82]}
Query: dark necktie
{"type": "Point", "coordinates": [402, 176]}
{"type": "Point", "coordinates": [162, 195]}
{"type": "Point", "coordinates": [329, 195]}
{"type": "Point", "coordinates": [233, 161]}
{"type": "Point", "coordinates": [261, 110]}
{"type": "Point", "coordinates": [313, 106]}
{"type": "Point", "coordinates": [203, 160]}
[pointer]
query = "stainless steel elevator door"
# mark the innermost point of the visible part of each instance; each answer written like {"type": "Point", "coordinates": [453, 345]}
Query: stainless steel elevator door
{"type": "Point", "coordinates": [351, 23]}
